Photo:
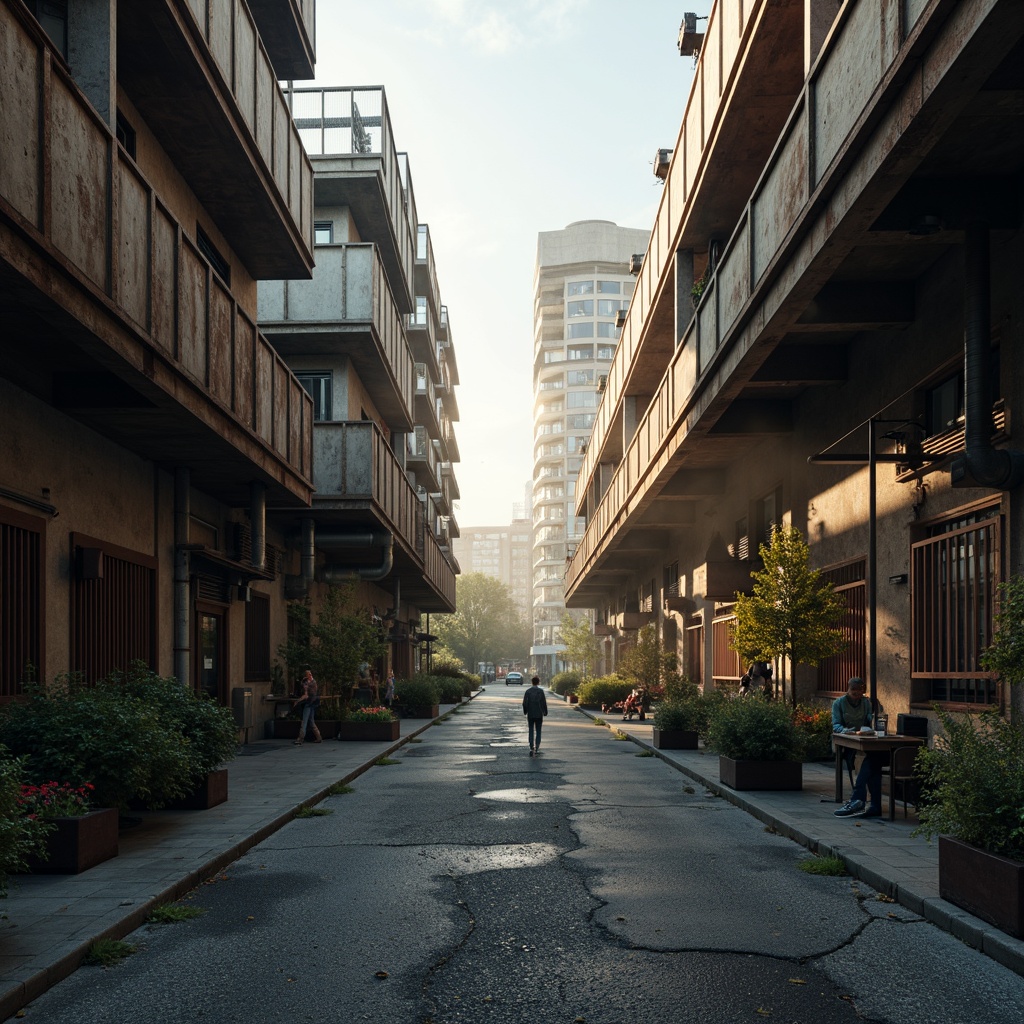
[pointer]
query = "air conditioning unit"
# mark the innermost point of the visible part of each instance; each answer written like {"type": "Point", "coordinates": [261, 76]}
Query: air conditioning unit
{"type": "Point", "coordinates": [602, 383]}
{"type": "Point", "coordinates": [690, 40]}
{"type": "Point", "coordinates": [620, 318]}
{"type": "Point", "coordinates": [662, 158]}
{"type": "Point", "coordinates": [636, 261]}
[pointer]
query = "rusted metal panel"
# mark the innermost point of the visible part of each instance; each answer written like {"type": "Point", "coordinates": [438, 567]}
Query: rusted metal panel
{"type": "Point", "coordinates": [192, 312]}
{"type": "Point", "coordinates": [282, 379]}
{"type": "Point", "coordinates": [221, 343]}
{"type": "Point", "coordinates": [244, 70]}
{"type": "Point", "coordinates": [79, 180]}
{"type": "Point", "coordinates": [281, 131]}
{"type": "Point", "coordinates": [851, 68]}
{"type": "Point", "coordinates": [219, 35]}
{"type": "Point", "coordinates": [244, 368]}
{"type": "Point", "coordinates": [133, 251]}
{"type": "Point", "coordinates": [733, 277]}
{"type": "Point", "coordinates": [264, 391]}
{"type": "Point", "coordinates": [21, 62]}
{"type": "Point", "coordinates": [165, 280]}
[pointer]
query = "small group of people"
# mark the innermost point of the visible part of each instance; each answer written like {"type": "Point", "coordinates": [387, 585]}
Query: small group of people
{"type": "Point", "coordinates": [310, 701]}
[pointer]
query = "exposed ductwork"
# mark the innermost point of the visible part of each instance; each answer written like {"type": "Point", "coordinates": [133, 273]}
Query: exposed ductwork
{"type": "Point", "coordinates": [258, 521]}
{"type": "Point", "coordinates": [981, 465]}
{"type": "Point", "coordinates": [331, 541]}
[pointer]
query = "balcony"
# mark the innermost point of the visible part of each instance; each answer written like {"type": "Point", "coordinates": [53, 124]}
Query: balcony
{"type": "Point", "coordinates": [421, 458]}
{"type": "Point", "coordinates": [361, 484]}
{"type": "Point", "coordinates": [288, 29]}
{"type": "Point", "coordinates": [347, 132]}
{"type": "Point", "coordinates": [426, 271]}
{"type": "Point", "coordinates": [346, 309]}
{"type": "Point", "coordinates": [201, 79]}
{"type": "Point", "coordinates": [833, 192]}
{"type": "Point", "coordinates": [133, 334]}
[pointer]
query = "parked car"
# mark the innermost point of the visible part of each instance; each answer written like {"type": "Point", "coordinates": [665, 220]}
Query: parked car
{"type": "Point", "coordinates": [514, 678]}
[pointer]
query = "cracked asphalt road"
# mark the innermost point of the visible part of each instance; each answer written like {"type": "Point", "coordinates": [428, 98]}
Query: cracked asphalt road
{"type": "Point", "coordinates": [586, 885]}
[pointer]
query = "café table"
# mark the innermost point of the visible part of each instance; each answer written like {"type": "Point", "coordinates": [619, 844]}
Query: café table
{"type": "Point", "coordinates": [867, 743]}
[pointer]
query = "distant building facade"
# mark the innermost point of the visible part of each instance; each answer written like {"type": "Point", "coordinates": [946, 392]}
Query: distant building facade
{"type": "Point", "coordinates": [504, 552]}
{"type": "Point", "coordinates": [582, 285]}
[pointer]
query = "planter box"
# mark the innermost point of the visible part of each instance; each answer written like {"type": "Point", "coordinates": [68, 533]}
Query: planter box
{"type": "Point", "coordinates": [572, 698]}
{"type": "Point", "coordinates": [78, 844]}
{"type": "Point", "coordinates": [987, 885]}
{"type": "Point", "coordinates": [212, 792]}
{"type": "Point", "coordinates": [288, 729]}
{"type": "Point", "coordinates": [423, 711]}
{"type": "Point", "coordinates": [378, 731]}
{"type": "Point", "coordinates": [675, 739]}
{"type": "Point", "coordinates": [778, 775]}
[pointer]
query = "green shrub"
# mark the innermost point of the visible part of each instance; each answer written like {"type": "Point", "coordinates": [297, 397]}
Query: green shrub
{"type": "Point", "coordinates": [682, 715]}
{"type": "Point", "coordinates": [973, 779]}
{"type": "Point", "coordinates": [446, 668]}
{"type": "Point", "coordinates": [450, 688]}
{"type": "Point", "coordinates": [603, 690]}
{"type": "Point", "coordinates": [20, 836]}
{"type": "Point", "coordinates": [420, 691]}
{"type": "Point", "coordinates": [753, 729]}
{"type": "Point", "coordinates": [565, 682]}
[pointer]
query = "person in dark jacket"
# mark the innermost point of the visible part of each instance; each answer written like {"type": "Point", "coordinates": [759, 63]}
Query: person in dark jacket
{"type": "Point", "coordinates": [535, 707]}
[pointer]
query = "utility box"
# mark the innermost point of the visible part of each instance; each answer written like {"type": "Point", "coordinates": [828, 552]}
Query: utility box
{"type": "Point", "coordinates": [242, 706]}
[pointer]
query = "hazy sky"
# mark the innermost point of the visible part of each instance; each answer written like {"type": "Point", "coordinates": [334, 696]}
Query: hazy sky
{"type": "Point", "coordinates": [518, 116]}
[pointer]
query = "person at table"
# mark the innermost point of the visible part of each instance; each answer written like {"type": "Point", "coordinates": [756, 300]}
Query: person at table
{"type": "Point", "coordinates": [850, 713]}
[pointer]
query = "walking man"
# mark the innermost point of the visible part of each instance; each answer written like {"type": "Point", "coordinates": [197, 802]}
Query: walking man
{"type": "Point", "coordinates": [535, 707]}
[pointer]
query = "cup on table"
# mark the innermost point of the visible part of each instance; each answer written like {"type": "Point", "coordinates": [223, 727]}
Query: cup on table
{"type": "Point", "coordinates": [881, 724]}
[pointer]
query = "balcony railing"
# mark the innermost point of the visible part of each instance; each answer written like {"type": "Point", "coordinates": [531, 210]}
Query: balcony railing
{"type": "Point", "coordinates": [134, 264]}
{"type": "Point", "coordinates": [802, 164]}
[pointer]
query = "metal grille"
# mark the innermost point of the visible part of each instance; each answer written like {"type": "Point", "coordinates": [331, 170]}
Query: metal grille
{"type": "Point", "coordinates": [954, 574]}
{"type": "Point", "coordinates": [257, 639]}
{"type": "Point", "coordinates": [114, 618]}
{"type": "Point", "coordinates": [21, 600]}
{"type": "Point", "coordinates": [849, 583]}
{"type": "Point", "coordinates": [725, 662]}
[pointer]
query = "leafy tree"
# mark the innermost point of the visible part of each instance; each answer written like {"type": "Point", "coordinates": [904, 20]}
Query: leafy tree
{"type": "Point", "coordinates": [645, 663]}
{"type": "Point", "coordinates": [486, 624]}
{"type": "Point", "coordinates": [582, 648]}
{"type": "Point", "coordinates": [790, 616]}
{"type": "Point", "coordinates": [335, 643]}
{"type": "Point", "coordinates": [1006, 655]}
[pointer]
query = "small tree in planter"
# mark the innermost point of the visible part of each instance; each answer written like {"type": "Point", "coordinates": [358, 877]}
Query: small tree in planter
{"type": "Point", "coordinates": [681, 719]}
{"type": "Point", "coordinates": [582, 648]}
{"type": "Point", "coordinates": [974, 780]}
{"type": "Point", "coordinates": [790, 614]}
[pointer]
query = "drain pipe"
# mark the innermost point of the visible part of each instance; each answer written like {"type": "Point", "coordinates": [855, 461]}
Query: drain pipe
{"type": "Point", "coordinates": [308, 571]}
{"type": "Point", "coordinates": [258, 524]}
{"type": "Point", "coordinates": [181, 574]}
{"type": "Point", "coordinates": [981, 465]}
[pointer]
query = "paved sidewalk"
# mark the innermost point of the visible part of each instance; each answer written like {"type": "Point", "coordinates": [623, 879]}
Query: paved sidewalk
{"type": "Point", "coordinates": [883, 854]}
{"type": "Point", "coordinates": [50, 921]}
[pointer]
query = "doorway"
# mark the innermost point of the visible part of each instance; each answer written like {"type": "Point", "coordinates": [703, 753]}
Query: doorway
{"type": "Point", "coordinates": [211, 663]}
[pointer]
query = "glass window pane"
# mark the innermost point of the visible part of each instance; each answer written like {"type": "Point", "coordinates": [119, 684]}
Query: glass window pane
{"type": "Point", "coordinates": [581, 287]}
{"type": "Point", "coordinates": [584, 330]}
{"type": "Point", "coordinates": [609, 287]}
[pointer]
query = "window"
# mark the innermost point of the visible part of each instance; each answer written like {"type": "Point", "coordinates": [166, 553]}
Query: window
{"type": "Point", "coordinates": [850, 583]}
{"type": "Point", "coordinates": [769, 514]}
{"type": "Point", "coordinates": [583, 330]}
{"type": "Point", "coordinates": [607, 330]}
{"type": "Point", "coordinates": [113, 608]}
{"type": "Point", "coordinates": [944, 405]}
{"type": "Point", "coordinates": [607, 307]}
{"type": "Point", "coordinates": [580, 307]}
{"type": "Point", "coordinates": [421, 310]}
{"type": "Point", "coordinates": [257, 639]}
{"type": "Point", "coordinates": [580, 421]}
{"type": "Point", "coordinates": [318, 385]}
{"type": "Point", "coordinates": [605, 351]}
{"type": "Point", "coordinates": [580, 288]}
{"type": "Point", "coordinates": [580, 377]}
{"type": "Point", "coordinates": [323, 232]}
{"type": "Point", "coordinates": [53, 16]}
{"type": "Point", "coordinates": [725, 662]}
{"type": "Point", "coordinates": [581, 352]}
{"type": "Point", "coordinates": [581, 400]}
{"type": "Point", "coordinates": [220, 266]}
{"type": "Point", "coordinates": [954, 571]}
{"type": "Point", "coordinates": [671, 580]}
{"type": "Point", "coordinates": [609, 287]}
{"type": "Point", "coordinates": [22, 558]}
{"type": "Point", "coordinates": [125, 134]}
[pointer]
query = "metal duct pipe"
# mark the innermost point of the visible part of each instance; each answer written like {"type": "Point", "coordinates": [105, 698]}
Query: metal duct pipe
{"type": "Point", "coordinates": [338, 573]}
{"type": "Point", "coordinates": [981, 464]}
{"type": "Point", "coordinates": [258, 523]}
{"type": "Point", "coordinates": [182, 511]}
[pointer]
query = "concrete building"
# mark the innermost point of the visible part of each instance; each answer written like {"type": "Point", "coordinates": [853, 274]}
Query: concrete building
{"type": "Point", "coordinates": [370, 340]}
{"type": "Point", "coordinates": [160, 457]}
{"type": "Point", "coordinates": [581, 286]}
{"type": "Point", "coordinates": [504, 552]}
{"type": "Point", "coordinates": [843, 201]}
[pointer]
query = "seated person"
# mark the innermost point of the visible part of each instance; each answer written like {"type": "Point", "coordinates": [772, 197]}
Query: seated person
{"type": "Point", "coordinates": [850, 713]}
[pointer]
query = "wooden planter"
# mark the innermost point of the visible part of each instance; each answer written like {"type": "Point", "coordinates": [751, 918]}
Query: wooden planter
{"type": "Point", "coordinates": [212, 792]}
{"type": "Point", "coordinates": [987, 885]}
{"type": "Point", "coordinates": [78, 844]}
{"type": "Point", "coordinates": [378, 731]}
{"type": "Point", "coordinates": [778, 775]}
{"type": "Point", "coordinates": [675, 739]}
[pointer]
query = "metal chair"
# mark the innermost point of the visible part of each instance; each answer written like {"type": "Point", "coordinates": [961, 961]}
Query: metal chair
{"type": "Point", "coordinates": [901, 773]}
